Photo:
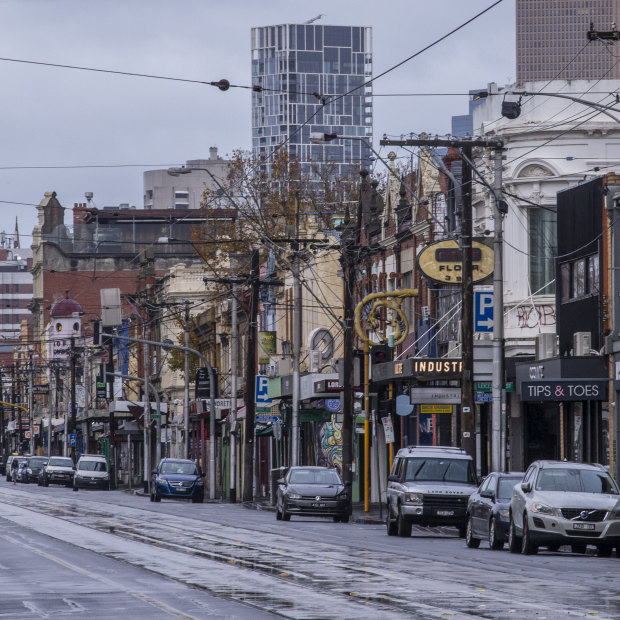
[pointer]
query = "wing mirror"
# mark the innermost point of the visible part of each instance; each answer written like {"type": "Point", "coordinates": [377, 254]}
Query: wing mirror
{"type": "Point", "coordinates": [393, 478]}
{"type": "Point", "coordinates": [526, 487]}
{"type": "Point", "coordinates": [281, 481]}
{"type": "Point", "coordinates": [154, 472]}
{"type": "Point", "coordinates": [487, 494]}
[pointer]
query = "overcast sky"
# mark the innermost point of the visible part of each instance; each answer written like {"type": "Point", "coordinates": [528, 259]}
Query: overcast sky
{"type": "Point", "coordinates": [68, 118]}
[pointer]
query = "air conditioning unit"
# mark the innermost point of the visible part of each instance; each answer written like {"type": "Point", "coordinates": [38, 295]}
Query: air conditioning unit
{"type": "Point", "coordinates": [225, 306]}
{"type": "Point", "coordinates": [285, 365]}
{"type": "Point", "coordinates": [315, 360]}
{"type": "Point", "coordinates": [582, 343]}
{"type": "Point", "coordinates": [454, 348]}
{"type": "Point", "coordinates": [546, 346]}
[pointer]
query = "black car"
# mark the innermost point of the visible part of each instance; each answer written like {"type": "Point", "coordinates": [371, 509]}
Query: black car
{"type": "Point", "coordinates": [2, 466]}
{"type": "Point", "coordinates": [488, 510]}
{"type": "Point", "coordinates": [313, 491]}
{"type": "Point", "coordinates": [34, 466]}
{"type": "Point", "coordinates": [178, 479]}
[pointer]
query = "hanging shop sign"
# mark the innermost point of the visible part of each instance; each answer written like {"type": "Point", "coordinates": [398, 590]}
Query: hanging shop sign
{"type": "Point", "coordinates": [266, 346]}
{"type": "Point", "coordinates": [420, 367]}
{"type": "Point", "coordinates": [438, 394]}
{"type": "Point", "coordinates": [443, 262]}
{"type": "Point", "coordinates": [436, 409]}
{"type": "Point", "coordinates": [565, 390]}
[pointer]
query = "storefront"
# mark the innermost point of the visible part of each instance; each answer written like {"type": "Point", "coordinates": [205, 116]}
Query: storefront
{"type": "Point", "coordinates": [564, 410]}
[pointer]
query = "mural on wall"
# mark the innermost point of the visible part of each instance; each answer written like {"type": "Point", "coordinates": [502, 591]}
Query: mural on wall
{"type": "Point", "coordinates": [330, 450]}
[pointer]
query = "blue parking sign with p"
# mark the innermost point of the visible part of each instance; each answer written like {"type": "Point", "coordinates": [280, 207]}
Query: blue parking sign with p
{"type": "Point", "coordinates": [483, 311]}
{"type": "Point", "coordinates": [262, 385]}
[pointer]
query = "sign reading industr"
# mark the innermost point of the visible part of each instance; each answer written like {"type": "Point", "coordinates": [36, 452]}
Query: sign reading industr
{"type": "Point", "coordinates": [443, 262]}
{"type": "Point", "coordinates": [564, 390]}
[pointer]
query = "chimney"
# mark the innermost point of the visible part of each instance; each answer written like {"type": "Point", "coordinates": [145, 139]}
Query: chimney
{"type": "Point", "coordinates": [213, 153]}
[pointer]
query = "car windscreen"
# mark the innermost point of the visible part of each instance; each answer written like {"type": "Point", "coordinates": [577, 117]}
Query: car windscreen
{"type": "Point", "coordinates": [506, 485]}
{"type": "Point", "coordinates": [37, 462]}
{"type": "Point", "coordinates": [92, 466]}
{"type": "Point", "coordinates": [440, 469]}
{"type": "Point", "coordinates": [576, 481]}
{"type": "Point", "coordinates": [186, 469]}
{"type": "Point", "coordinates": [314, 476]}
{"type": "Point", "coordinates": [60, 462]}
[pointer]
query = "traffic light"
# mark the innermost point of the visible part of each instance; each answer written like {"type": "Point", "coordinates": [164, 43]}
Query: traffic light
{"type": "Point", "coordinates": [380, 354]}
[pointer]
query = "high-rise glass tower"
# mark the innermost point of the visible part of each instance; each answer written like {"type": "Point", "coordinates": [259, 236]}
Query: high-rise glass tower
{"type": "Point", "coordinates": [304, 70]}
{"type": "Point", "coordinates": [552, 40]}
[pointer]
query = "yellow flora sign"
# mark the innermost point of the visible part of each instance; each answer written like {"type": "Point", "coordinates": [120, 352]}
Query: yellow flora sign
{"type": "Point", "coordinates": [443, 262]}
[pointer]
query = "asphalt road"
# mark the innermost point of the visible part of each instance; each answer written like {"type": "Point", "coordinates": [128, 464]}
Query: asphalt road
{"type": "Point", "coordinates": [113, 554]}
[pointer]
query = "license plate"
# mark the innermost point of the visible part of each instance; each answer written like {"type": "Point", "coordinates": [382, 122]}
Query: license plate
{"type": "Point", "coordinates": [583, 526]}
{"type": "Point", "coordinates": [445, 513]}
{"type": "Point", "coordinates": [180, 490]}
{"type": "Point", "coordinates": [315, 505]}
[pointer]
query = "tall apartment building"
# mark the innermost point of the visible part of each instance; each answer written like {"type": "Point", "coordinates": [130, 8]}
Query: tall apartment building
{"type": "Point", "coordinates": [163, 191]}
{"type": "Point", "coordinates": [304, 70]}
{"type": "Point", "coordinates": [552, 40]}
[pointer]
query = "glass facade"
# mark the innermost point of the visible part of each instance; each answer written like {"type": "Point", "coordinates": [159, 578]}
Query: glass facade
{"type": "Point", "coordinates": [543, 250]}
{"type": "Point", "coordinates": [303, 71]}
{"type": "Point", "coordinates": [552, 43]}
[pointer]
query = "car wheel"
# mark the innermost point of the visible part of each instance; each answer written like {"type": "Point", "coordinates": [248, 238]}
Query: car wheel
{"type": "Point", "coordinates": [470, 540]}
{"type": "Point", "coordinates": [604, 551]}
{"type": "Point", "coordinates": [554, 547]}
{"type": "Point", "coordinates": [527, 546]}
{"type": "Point", "coordinates": [392, 530]}
{"type": "Point", "coordinates": [285, 515]}
{"type": "Point", "coordinates": [494, 542]}
{"type": "Point", "coordinates": [197, 500]}
{"type": "Point", "coordinates": [157, 497]}
{"type": "Point", "coordinates": [403, 525]}
{"type": "Point", "coordinates": [578, 548]}
{"type": "Point", "coordinates": [336, 519]}
{"type": "Point", "coordinates": [152, 497]}
{"type": "Point", "coordinates": [514, 542]}
{"type": "Point", "coordinates": [75, 486]}
{"type": "Point", "coordinates": [278, 514]}
{"type": "Point", "coordinates": [344, 519]}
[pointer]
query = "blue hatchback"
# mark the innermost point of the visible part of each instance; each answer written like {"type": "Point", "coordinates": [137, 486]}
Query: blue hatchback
{"type": "Point", "coordinates": [177, 479]}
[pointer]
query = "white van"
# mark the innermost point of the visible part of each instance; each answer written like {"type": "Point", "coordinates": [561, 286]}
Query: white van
{"type": "Point", "coordinates": [91, 472]}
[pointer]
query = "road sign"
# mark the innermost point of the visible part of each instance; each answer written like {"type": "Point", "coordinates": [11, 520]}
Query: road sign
{"type": "Point", "coordinates": [72, 440]}
{"type": "Point", "coordinates": [265, 419]}
{"type": "Point", "coordinates": [484, 397]}
{"type": "Point", "coordinates": [483, 311]}
{"type": "Point", "coordinates": [262, 385]}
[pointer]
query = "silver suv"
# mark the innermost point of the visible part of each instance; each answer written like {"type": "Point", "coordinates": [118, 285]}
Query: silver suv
{"type": "Point", "coordinates": [564, 503]}
{"type": "Point", "coordinates": [429, 485]}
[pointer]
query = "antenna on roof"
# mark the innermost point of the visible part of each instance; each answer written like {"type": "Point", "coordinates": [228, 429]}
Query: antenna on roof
{"type": "Point", "coordinates": [310, 21]}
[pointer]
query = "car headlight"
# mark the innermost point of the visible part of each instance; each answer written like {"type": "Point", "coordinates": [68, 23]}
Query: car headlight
{"type": "Point", "coordinates": [504, 513]}
{"type": "Point", "coordinates": [200, 482]}
{"type": "Point", "coordinates": [107, 476]}
{"type": "Point", "coordinates": [543, 509]}
{"type": "Point", "coordinates": [414, 498]}
{"type": "Point", "coordinates": [29, 470]}
{"type": "Point", "coordinates": [159, 480]}
{"type": "Point", "coordinates": [294, 496]}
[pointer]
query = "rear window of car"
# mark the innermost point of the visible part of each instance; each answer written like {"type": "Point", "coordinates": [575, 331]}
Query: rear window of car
{"type": "Point", "coordinates": [440, 469]}
{"type": "Point", "coordinates": [576, 481]}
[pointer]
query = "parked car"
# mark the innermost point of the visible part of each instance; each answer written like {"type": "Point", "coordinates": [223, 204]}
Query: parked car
{"type": "Point", "coordinates": [429, 485]}
{"type": "Point", "coordinates": [2, 466]}
{"type": "Point", "coordinates": [313, 491]}
{"type": "Point", "coordinates": [177, 479]}
{"type": "Point", "coordinates": [9, 465]}
{"type": "Point", "coordinates": [34, 466]}
{"type": "Point", "coordinates": [91, 472]}
{"type": "Point", "coordinates": [488, 510]}
{"type": "Point", "coordinates": [565, 503]}
{"type": "Point", "coordinates": [58, 470]}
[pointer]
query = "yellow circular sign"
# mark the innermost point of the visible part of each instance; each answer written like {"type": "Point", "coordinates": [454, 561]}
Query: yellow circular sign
{"type": "Point", "coordinates": [443, 262]}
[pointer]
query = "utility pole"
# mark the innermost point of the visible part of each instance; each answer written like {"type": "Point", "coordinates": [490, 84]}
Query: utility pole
{"type": "Point", "coordinates": [498, 422]}
{"type": "Point", "coordinates": [234, 362]}
{"type": "Point", "coordinates": [30, 402]}
{"type": "Point", "coordinates": [348, 242]}
{"type": "Point", "coordinates": [73, 425]}
{"type": "Point", "coordinates": [296, 356]}
{"type": "Point", "coordinates": [468, 405]}
{"type": "Point", "coordinates": [250, 383]}
{"type": "Point", "coordinates": [186, 388]}
{"type": "Point", "coordinates": [2, 439]}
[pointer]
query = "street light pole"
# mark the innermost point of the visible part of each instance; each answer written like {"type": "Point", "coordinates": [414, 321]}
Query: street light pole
{"type": "Point", "coordinates": [186, 387]}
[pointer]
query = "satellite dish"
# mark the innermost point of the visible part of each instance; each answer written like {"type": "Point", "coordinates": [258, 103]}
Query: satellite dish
{"type": "Point", "coordinates": [167, 344]}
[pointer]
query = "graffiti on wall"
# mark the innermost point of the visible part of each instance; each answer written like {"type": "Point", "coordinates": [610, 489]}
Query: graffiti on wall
{"type": "Point", "coordinates": [330, 449]}
{"type": "Point", "coordinates": [530, 317]}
